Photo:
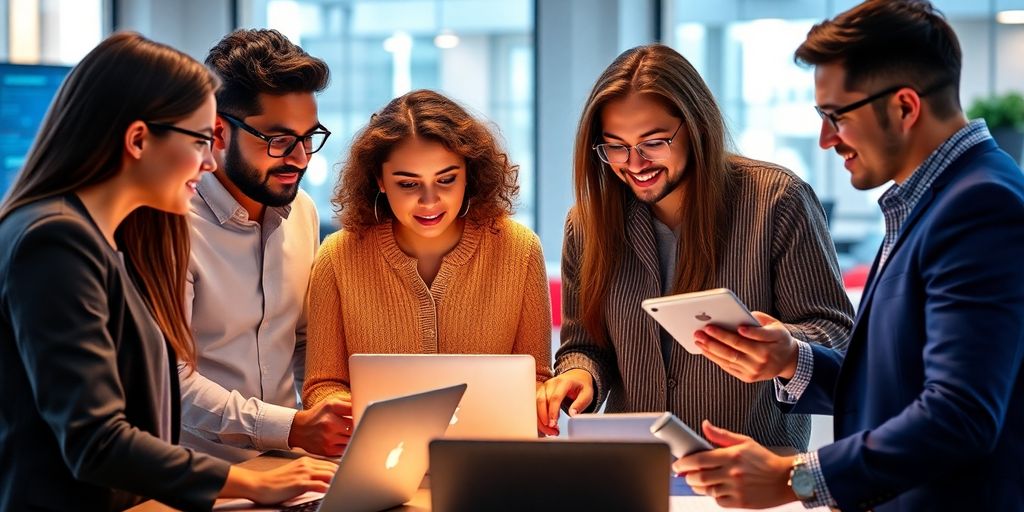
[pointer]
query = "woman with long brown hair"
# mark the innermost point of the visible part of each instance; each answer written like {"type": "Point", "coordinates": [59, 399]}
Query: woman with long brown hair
{"type": "Point", "coordinates": [92, 276]}
{"type": "Point", "coordinates": [662, 208]}
{"type": "Point", "coordinates": [429, 260]}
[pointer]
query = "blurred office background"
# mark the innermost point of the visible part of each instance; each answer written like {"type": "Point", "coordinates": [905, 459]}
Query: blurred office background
{"type": "Point", "coordinates": [525, 65]}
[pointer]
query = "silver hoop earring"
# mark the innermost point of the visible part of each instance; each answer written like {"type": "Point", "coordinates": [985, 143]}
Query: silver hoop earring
{"type": "Point", "coordinates": [375, 217]}
{"type": "Point", "coordinates": [468, 203]}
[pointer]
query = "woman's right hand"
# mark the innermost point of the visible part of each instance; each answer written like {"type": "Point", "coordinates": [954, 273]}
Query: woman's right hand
{"type": "Point", "coordinates": [575, 384]}
{"type": "Point", "coordinates": [279, 484]}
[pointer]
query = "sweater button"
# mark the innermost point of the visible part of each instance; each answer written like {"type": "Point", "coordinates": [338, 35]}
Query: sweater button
{"type": "Point", "coordinates": [671, 383]}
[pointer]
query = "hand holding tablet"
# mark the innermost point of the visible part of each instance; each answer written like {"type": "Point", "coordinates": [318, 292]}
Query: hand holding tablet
{"type": "Point", "coordinates": [749, 346]}
{"type": "Point", "coordinates": [681, 315]}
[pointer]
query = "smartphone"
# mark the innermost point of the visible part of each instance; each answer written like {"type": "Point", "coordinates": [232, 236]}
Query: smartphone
{"type": "Point", "coordinates": [681, 315]}
{"type": "Point", "coordinates": [682, 440]}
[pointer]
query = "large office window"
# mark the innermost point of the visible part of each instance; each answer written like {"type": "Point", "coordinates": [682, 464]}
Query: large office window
{"type": "Point", "coordinates": [478, 52]}
{"type": "Point", "coordinates": [50, 31]}
{"type": "Point", "coordinates": [40, 40]}
{"type": "Point", "coordinates": [744, 50]}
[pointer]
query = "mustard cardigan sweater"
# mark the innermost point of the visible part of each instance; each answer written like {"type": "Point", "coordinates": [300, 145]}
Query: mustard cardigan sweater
{"type": "Point", "coordinates": [366, 297]}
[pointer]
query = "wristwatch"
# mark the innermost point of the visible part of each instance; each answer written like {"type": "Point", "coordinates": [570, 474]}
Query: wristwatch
{"type": "Point", "coordinates": [801, 480]}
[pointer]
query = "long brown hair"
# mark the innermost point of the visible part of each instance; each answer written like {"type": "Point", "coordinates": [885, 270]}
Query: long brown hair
{"type": "Point", "coordinates": [490, 177]}
{"type": "Point", "coordinates": [126, 78]}
{"type": "Point", "coordinates": [601, 198]}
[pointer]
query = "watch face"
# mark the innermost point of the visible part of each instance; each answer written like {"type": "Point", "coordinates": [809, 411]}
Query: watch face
{"type": "Point", "coordinates": [803, 483]}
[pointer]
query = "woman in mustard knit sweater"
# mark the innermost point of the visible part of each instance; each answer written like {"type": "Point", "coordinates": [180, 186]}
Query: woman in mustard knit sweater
{"type": "Point", "coordinates": [428, 260]}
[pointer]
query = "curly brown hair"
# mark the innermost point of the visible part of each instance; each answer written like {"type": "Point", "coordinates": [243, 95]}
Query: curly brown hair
{"type": "Point", "coordinates": [491, 179]}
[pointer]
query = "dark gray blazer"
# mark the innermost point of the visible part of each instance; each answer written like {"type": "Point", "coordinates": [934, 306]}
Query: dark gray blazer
{"type": "Point", "coordinates": [79, 356]}
{"type": "Point", "coordinates": [778, 259]}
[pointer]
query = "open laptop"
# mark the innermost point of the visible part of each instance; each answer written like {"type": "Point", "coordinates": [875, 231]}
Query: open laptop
{"type": "Point", "coordinates": [386, 458]}
{"type": "Point", "coordinates": [500, 400]}
{"type": "Point", "coordinates": [566, 476]}
{"type": "Point", "coordinates": [613, 426]}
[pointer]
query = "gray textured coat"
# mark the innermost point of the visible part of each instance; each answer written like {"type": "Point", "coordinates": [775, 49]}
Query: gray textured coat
{"type": "Point", "coordinates": [778, 259]}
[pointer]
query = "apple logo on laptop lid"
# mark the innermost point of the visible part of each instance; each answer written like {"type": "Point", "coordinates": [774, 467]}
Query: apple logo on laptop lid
{"type": "Point", "coordinates": [394, 455]}
{"type": "Point", "coordinates": [703, 317]}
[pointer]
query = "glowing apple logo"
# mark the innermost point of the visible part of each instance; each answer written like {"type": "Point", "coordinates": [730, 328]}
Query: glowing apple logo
{"type": "Point", "coordinates": [703, 317]}
{"type": "Point", "coordinates": [394, 455]}
{"type": "Point", "coordinates": [455, 417]}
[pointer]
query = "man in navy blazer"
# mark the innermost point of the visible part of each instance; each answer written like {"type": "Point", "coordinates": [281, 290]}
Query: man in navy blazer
{"type": "Point", "coordinates": [928, 399]}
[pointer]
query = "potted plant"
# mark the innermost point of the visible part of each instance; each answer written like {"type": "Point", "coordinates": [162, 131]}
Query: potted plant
{"type": "Point", "coordinates": [1004, 115]}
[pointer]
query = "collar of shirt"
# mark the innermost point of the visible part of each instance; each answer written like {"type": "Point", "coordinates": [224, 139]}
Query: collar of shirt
{"type": "Point", "coordinates": [901, 199]}
{"type": "Point", "coordinates": [225, 206]}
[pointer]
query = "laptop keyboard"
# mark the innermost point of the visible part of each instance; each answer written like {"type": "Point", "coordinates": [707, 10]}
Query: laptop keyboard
{"type": "Point", "coordinates": [309, 506]}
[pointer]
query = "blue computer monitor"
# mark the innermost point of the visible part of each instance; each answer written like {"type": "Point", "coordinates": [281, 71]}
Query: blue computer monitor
{"type": "Point", "coordinates": [25, 93]}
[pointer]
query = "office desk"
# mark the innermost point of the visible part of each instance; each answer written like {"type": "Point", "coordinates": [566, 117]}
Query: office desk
{"type": "Point", "coordinates": [421, 500]}
{"type": "Point", "coordinates": [419, 503]}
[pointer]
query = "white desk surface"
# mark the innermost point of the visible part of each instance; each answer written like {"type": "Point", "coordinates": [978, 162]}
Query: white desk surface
{"type": "Point", "coordinates": [421, 500]}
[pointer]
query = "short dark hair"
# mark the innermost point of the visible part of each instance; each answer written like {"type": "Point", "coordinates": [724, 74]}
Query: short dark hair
{"type": "Point", "coordinates": [891, 42]}
{"type": "Point", "coordinates": [250, 62]}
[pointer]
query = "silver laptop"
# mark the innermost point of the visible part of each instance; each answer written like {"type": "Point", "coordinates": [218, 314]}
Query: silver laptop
{"type": "Point", "coordinates": [500, 400]}
{"type": "Point", "coordinates": [614, 426]}
{"type": "Point", "coordinates": [472, 475]}
{"type": "Point", "coordinates": [387, 456]}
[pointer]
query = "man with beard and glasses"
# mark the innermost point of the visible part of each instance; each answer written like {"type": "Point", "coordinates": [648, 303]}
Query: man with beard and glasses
{"type": "Point", "coordinates": [254, 239]}
{"type": "Point", "coordinates": [663, 208]}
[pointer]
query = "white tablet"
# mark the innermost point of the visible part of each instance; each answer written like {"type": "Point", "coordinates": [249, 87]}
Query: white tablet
{"type": "Point", "coordinates": [682, 315]}
{"type": "Point", "coordinates": [613, 426]}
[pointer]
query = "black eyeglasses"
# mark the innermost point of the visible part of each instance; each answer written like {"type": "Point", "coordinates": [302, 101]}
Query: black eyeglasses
{"type": "Point", "coordinates": [651, 150]}
{"type": "Point", "coordinates": [833, 116]}
{"type": "Point", "coordinates": [280, 146]}
{"type": "Point", "coordinates": [170, 127]}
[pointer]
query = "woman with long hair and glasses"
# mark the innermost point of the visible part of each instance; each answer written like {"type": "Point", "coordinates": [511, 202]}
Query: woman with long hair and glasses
{"type": "Point", "coordinates": [428, 260]}
{"type": "Point", "coordinates": [93, 251]}
{"type": "Point", "coordinates": [662, 207]}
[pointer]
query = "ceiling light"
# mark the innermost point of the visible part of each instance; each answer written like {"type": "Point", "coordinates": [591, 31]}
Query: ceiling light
{"type": "Point", "coordinates": [1011, 17]}
{"type": "Point", "coordinates": [446, 39]}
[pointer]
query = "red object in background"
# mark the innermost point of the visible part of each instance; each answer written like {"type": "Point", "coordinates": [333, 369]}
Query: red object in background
{"type": "Point", "coordinates": [555, 287]}
{"type": "Point", "coordinates": [856, 277]}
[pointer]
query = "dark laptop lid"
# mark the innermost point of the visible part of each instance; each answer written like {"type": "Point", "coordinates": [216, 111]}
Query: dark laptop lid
{"type": "Point", "coordinates": [548, 475]}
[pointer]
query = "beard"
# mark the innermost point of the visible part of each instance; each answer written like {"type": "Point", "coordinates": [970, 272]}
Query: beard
{"type": "Point", "coordinates": [257, 187]}
{"type": "Point", "coordinates": [670, 185]}
{"type": "Point", "coordinates": [883, 163]}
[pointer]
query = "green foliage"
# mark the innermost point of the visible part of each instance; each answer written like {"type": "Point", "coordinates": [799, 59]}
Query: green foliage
{"type": "Point", "coordinates": [1004, 111]}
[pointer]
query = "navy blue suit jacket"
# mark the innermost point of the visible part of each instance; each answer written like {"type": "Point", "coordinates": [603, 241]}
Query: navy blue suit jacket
{"type": "Point", "coordinates": [929, 397]}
